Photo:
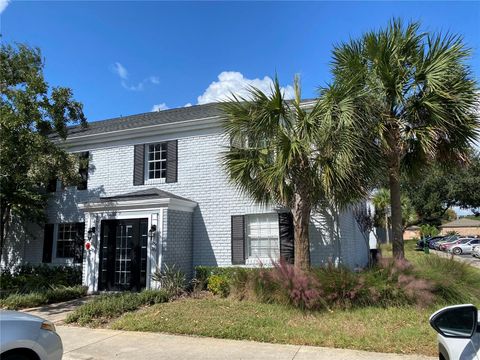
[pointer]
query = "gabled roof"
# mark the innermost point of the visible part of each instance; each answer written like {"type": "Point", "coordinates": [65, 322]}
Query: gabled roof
{"type": "Point", "coordinates": [152, 193]}
{"type": "Point", "coordinates": [463, 222]}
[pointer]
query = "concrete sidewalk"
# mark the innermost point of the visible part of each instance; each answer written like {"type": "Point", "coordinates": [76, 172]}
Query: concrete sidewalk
{"type": "Point", "coordinates": [58, 312]}
{"type": "Point", "coordinates": [84, 343]}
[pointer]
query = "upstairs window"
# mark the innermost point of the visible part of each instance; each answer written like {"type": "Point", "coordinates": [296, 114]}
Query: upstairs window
{"type": "Point", "coordinates": [157, 161]}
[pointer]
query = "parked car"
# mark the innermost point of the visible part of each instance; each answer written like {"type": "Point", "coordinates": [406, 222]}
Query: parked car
{"type": "Point", "coordinates": [27, 337]}
{"type": "Point", "coordinates": [445, 240]}
{"type": "Point", "coordinates": [458, 334]}
{"type": "Point", "coordinates": [464, 247]}
{"type": "Point", "coordinates": [448, 245]}
{"type": "Point", "coordinates": [476, 251]}
{"type": "Point", "coordinates": [433, 241]}
{"type": "Point", "coordinates": [421, 244]}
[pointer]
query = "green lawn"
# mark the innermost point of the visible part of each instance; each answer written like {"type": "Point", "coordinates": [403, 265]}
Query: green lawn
{"type": "Point", "coordinates": [400, 330]}
{"type": "Point", "coordinates": [393, 329]}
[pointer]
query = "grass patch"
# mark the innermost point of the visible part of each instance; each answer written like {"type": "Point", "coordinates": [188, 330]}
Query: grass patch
{"type": "Point", "coordinates": [105, 307]}
{"type": "Point", "coordinates": [399, 329]}
{"type": "Point", "coordinates": [395, 324]}
{"type": "Point", "coordinates": [38, 298]}
{"type": "Point", "coordinates": [454, 282]}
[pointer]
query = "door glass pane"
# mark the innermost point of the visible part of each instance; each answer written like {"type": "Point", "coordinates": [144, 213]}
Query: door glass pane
{"type": "Point", "coordinates": [123, 245]}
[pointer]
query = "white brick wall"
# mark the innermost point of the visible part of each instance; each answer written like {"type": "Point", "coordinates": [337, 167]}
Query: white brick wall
{"type": "Point", "coordinates": [201, 179]}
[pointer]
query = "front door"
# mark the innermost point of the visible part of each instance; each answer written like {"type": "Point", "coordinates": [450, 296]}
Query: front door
{"type": "Point", "coordinates": [123, 255]}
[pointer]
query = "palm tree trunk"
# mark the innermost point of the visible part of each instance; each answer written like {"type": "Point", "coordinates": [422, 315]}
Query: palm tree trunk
{"type": "Point", "coordinates": [301, 221]}
{"type": "Point", "coordinates": [396, 205]}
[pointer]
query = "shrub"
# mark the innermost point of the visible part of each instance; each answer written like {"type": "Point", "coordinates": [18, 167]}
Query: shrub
{"type": "Point", "coordinates": [203, 273]}
{"type": "Point", "coordinates": [343, 288]}
{"type": "Point", "coordinates": [21, 301]}
{"type": "Point", "coordinates": [105, 307]}
{"type": "Point", "coordinates": [29, 278]}
{"type": "Point", "coordinates": [218, 285]}
{"type": "Point", "coordinates": [171, 279]}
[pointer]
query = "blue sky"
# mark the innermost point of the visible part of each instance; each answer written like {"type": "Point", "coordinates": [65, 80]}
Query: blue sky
{"type": "Point", "coordinates": [123, 58]}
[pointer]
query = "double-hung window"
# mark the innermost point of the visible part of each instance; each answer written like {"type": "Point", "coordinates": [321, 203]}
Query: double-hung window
{"type": "Point", "coordinates": [157, 161]}
{"type": "Point", "coordinates": [66, 240]}
{"type": "Point", "coordinates": [262, 235]}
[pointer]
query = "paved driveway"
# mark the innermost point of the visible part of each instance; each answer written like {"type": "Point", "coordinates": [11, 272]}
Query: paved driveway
{"type": "Point", "coordinates": [84, 343]}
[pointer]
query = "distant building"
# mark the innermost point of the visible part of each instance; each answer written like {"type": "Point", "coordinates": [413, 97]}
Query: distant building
{"type": "Point", "coordinates": [462, 226]}
{"type": "Point", "coordinates": [411, 232]}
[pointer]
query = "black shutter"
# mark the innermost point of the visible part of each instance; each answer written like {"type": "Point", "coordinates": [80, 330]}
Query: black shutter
{"type": "Point", "coordinates": [52, 185]}
{"type": "Point", "coordinates": [172, 163]}
{"type": "Point", "coordinates": [79, 240]}
{"type": "Point", "coordinates": [238, 239]}
{"type": "Point", "coordinates": [83, 158]}
{"type": "Point", "coordinates": [47, 243]}
{"type": "Point", "coordinates": [286, 232]}
{"type": "Point", "coordinates": [139, 165]}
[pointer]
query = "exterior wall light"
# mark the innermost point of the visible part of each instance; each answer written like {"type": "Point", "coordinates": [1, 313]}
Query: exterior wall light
{"type": "Point", "coordinates": [152, 231]}
{"type": "Point", "coordinates": [90, 233]}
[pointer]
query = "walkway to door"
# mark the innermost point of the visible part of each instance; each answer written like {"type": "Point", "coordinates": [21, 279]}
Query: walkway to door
{"type": "Point", "coordinates": [57, 313]}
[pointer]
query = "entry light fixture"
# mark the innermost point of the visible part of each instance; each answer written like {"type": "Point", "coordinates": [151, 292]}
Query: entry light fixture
{"type": "Point", "coordinates": [152, 230]}
{"type": "Point", "coordinates": [90, 232]}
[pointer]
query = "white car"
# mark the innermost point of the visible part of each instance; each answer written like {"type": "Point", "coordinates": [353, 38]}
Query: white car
{"type": "Point", "coordinates": [458, 332]}
{"type": "Point", "coordinates": [476, 251]}
{"type": "Point", "coordinates": [28, 337]}
{"type": "Point", "coordinates": [464, 247]}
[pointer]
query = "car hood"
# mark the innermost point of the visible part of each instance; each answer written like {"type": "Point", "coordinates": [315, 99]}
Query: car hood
{"type": "Point", "coordinates": [8, 315]}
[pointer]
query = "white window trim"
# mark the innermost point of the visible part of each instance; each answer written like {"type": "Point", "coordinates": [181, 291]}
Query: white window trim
{"type": "Point", "coordinates": [59, 260]}
{"type": "Point", "coordinates": [147, 180]}
{"type": "Point", "coordinates": [255, 260]}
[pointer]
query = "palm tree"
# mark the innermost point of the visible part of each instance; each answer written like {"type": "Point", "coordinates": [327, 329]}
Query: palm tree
{"type": "Point", "coordinates": [419, 100]}
{"type": "Point", "coordinates": [381, 202]}
{"type": "Point", "coordinates": [287, 154]}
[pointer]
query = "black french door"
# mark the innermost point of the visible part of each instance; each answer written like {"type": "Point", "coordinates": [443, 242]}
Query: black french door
{"type": "Point", "coordinates": [123, 255]}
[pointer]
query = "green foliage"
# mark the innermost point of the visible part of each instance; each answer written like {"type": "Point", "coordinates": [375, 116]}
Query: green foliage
{"type": "Point", "coordinates": [411, 94]}
{"type": "Point", "coordinates": [219, 285]}
{"type": "Point", "coordinates": [105, 307]}
{"type": "Point", "coordinates": [293, 155]}
{"type": "Point", "coordinates": [438, 188]}
{"type": "Point", "coordinates": [381, 201]}
{"type": "Point", "coordinates": [171, 279]}
{"type": "Point", "coordinates": [30, 111]}
{"type": "Point", "coordinates": [203, 273]}
{"type": "Point", "coordinates": [427, 230]}
{"type": "Point", "coordinates": [17, 301]}
{"type": "Point", "coordinates": [29, 278]}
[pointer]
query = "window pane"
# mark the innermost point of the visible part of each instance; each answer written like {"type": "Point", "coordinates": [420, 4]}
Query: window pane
{"type": "Point", "coordinates": [262, 236]}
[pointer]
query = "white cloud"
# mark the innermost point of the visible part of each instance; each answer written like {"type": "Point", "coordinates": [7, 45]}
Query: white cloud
{"type": "Point", "coordinates": [234, 82]}
{"type": "Point", "coordinates": [3, 5]}
{"type": "Point", "coordinates": [160, 107]}
{"type": "Point", "coordinates": [154, 80]}
{"type": "Point", "coordinates": [187, 105]}
{"type": "Point", "coordinates": [120, 70]}
{"type": "Point", "coordinates": [122, 73]}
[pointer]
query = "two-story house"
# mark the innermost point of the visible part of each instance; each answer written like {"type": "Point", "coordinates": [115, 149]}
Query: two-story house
{"type": "Point", "coordinates": [155, 193]}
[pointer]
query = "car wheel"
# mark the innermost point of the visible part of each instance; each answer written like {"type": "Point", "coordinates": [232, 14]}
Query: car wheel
{"type": "Point", "coordinates": [20, 354]}
{"type": "Point", "coordinates": [457, 251]}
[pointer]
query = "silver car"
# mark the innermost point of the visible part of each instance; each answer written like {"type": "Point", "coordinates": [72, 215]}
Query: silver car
{"type": "Point", "coordinates": [458, 332]}
{"type": "Point", "coordinates": [476, 251]}
{"type": "Point", "coordinates": [28, 337]}
{"type": "Point", "coordinates": [464, 247]}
